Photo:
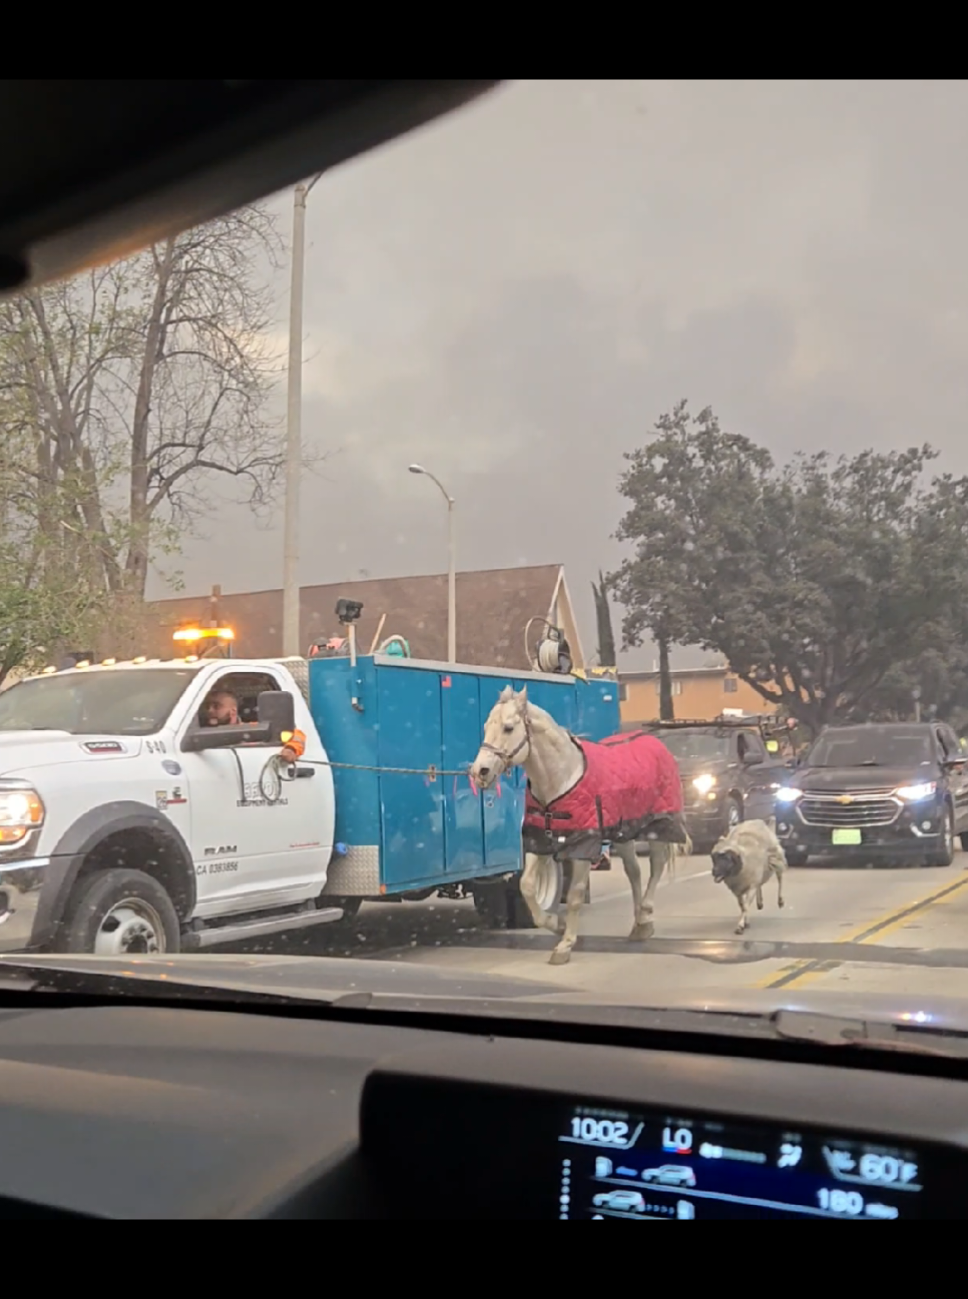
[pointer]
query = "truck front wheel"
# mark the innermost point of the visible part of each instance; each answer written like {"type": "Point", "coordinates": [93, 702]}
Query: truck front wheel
{"type": "Point", "coordinates": [119, 913]}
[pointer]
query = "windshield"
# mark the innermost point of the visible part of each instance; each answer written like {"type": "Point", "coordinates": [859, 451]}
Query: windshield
{"type": "Point", "coordinates": [95, 703]}
{"type": "Point", "coordinates": [601, 405]}
{"type": "Point", "coordinates": [873, 747]}
{"type": "Point", "coordinates": [695, 746]}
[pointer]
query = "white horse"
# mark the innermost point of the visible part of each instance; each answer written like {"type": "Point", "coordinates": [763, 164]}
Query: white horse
{"type": "Point", "coordinates": [520, 734]}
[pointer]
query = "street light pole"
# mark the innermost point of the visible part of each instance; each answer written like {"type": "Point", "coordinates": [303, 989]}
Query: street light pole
{"type": "Point", "coordinates": [451, 563]}
{"type": "Point", "coordinates": [290, 563]}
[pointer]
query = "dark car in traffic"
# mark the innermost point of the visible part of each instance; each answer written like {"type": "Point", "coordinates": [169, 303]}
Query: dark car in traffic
{"type": "Point", "coordinates": [728, 775]}
{"type": "Point", "coordinates": [876, 793]}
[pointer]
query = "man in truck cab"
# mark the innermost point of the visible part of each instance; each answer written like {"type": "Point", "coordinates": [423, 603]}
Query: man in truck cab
{"type": "Point", "coordinates": [221, 708]}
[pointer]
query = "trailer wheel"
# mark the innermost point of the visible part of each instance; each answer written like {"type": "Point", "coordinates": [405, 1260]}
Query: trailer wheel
{"type": "Point", "coordinates": [349, 907]}
{"type": "Point", "coordinates": [492, 902]}
{"type": "Point", "coordinates": [501, 906]}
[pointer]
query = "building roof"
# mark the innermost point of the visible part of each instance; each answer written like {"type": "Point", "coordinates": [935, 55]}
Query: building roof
{"type": "Point", "coordinates": [493, 609]}
{"type": "Point", "coordinates": [721, 671]}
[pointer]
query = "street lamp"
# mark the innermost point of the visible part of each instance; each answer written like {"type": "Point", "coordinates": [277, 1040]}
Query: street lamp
{"type": "Point", "coordinates": [290, 563]}
{"type": "Point", "coordinates": [451, 564]}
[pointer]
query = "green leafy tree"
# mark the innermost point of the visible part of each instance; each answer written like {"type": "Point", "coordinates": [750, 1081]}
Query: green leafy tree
{"type": "Point", "coordinates": [693, 491]}
{"type": "Point", "coordinates": [817, 581]}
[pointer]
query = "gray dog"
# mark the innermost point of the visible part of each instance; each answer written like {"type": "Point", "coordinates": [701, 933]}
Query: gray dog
{"type": "Point", "coordinates": [744, 860]}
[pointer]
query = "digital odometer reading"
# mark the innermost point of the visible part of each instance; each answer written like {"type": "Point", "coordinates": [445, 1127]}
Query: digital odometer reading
{"type": "Point", "coordinates": [646, 1167]}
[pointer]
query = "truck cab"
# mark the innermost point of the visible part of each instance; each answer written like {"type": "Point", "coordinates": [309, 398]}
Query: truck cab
{"type": "Point", "coordinates": [128, 822]}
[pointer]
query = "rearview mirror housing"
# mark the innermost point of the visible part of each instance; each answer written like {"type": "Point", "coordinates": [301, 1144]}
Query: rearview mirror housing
{"type": "Point", "coordinates": [277, 711]}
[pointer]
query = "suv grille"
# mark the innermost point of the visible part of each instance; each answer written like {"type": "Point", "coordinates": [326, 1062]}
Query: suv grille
{"type": "Point", "coordinates": [867, 807]}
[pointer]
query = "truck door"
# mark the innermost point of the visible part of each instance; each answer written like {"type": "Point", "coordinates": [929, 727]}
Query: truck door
{"type": "Point", "coordinates": [248, 850]}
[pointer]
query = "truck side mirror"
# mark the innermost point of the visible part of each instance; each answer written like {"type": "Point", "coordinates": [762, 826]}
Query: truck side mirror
{"type": "Point", "coordinates": [277, 713]}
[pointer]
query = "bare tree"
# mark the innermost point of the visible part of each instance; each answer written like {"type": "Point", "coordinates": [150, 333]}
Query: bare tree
{"type": "Point", "coordinates": [126, 391]}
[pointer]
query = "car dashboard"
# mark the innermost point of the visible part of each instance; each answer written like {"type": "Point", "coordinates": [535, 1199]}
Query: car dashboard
{"type": "Point", "coordinates": [159, 1112]}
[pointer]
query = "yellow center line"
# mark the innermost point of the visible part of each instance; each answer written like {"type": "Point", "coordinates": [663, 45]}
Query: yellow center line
{"type": "Point", "coordinates": [799, 971]}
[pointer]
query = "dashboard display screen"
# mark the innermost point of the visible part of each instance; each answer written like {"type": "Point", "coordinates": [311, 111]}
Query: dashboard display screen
{"type": "Point", "coordinates": [639, 1166]}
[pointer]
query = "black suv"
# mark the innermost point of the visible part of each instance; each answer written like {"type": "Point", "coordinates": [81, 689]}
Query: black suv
{"type": "Point", "coordinates": [728, 774]}
{"type": "Point", "coordinates": [896, 791]}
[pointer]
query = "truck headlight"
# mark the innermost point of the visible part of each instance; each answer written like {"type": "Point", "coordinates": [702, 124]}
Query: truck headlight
{"type": "Point", "coordinates": [21, 810]}
{"type": "Point", "coordinates": [704, 783]}
{"type": "Point", "coordinates": [916, 793]}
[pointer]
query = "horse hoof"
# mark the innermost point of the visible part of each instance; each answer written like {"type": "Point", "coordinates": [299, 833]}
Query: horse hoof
{"type": "Point", "coordinates": [641, 932]}
{"type": "Point", "coordinates": [740, 929]}
{"type": "Point", "coordinates": [759, 906]}
{"type": "Point", "coordinates": [781, 903]}
{"type": "Point", "coordinates": [559, 958]}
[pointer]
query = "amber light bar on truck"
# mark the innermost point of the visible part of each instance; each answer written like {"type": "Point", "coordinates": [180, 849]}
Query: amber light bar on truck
{"type": "Point", "coordinates": [204, 633]}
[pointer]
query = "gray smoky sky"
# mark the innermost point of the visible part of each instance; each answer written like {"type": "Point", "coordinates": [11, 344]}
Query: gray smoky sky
{"type": "Point", "coordinates": [514, 294]}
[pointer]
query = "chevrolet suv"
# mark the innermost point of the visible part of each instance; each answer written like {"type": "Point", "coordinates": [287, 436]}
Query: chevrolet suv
{"type": "Point", "coordinates": [896, 791]}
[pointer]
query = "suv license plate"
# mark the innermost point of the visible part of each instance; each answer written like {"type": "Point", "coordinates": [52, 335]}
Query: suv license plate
{"type": "Point", "coordinates": [846, 838]}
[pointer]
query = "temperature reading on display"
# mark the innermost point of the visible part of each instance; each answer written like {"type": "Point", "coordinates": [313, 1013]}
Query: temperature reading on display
{"type": "Point", "coordinates": [850, 1203]}
{"type": "Point", "coordinates": [885, 1168]}
{"type": "Point", "coordinates": [677, 1140]}
{"type": "Point", "coordinates": [604, 1132]}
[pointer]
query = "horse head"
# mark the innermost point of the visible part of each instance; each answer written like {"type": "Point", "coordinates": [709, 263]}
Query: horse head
{"type": "Point", "coordinates": [507, 738]}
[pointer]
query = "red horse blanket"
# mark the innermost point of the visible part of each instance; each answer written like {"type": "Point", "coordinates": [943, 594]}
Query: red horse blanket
{"type": "Point", "coordinates": [630, 790]}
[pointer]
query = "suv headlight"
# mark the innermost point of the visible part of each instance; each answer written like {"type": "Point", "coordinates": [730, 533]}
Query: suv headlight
{"type": "Point", "coordinates": [704, 783]}
{"type": "Point", "coordinates": [787, 795]}
{"type": "Point", "coordinates": [916, 793]}
{"type": "Point", "coordinates": [21, 810]}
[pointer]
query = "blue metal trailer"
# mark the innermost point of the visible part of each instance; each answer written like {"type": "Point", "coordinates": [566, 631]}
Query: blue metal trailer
{"type": "Point", "coordinates": [402, 734]}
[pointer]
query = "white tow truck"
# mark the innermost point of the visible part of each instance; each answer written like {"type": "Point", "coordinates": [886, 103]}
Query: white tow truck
{"type": "Point", "coordinates": [127, 824]}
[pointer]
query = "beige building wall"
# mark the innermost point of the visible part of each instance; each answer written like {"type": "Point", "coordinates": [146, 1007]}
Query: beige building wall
{"type": "Point", "coordinates": [697, 693]}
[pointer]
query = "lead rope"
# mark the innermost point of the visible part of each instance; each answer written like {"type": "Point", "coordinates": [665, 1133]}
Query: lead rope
{"type": "Point", "coordinates": [279, 770]}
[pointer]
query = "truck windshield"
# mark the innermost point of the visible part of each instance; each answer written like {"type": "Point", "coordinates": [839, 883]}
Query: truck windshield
{"type": "Point", "coordinates": [874, 746]}
{"type": "Point", "coordinates": [699, 746]}
{"type": "Point", "coordinates": [94, 703]}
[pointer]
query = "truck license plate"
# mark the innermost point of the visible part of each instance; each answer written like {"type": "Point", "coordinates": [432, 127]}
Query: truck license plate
{"type": "Point", "coordinates": [845, 838]}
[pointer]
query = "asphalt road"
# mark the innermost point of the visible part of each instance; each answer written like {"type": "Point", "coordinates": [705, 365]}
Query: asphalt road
{"type": "Point", "coordinates": [845, 928]}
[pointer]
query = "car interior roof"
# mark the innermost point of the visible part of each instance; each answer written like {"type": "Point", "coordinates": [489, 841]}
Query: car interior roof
{"type": "Point", "coordinates": [109, 167]}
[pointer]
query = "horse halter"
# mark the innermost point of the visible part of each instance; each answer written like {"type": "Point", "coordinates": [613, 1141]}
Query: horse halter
{"type": "Point", "coordinates": [508, 758]}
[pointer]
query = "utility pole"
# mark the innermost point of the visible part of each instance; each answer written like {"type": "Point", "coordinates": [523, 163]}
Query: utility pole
{"type": "Point", "coordinates": [290, 569]}
{"type": "Point", "coordinates": [451, 563]}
